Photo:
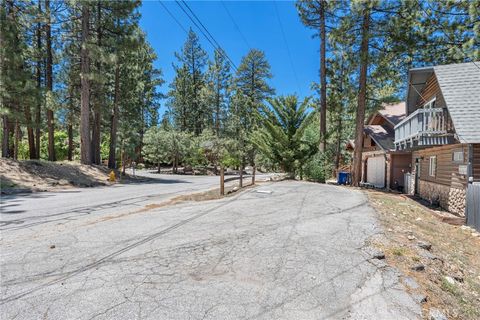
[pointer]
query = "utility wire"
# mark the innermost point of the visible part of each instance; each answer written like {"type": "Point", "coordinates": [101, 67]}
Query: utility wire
{"type": "Point", "coordinates": [236, 25]}
{"type": "Point", "coordinates": [201, 27]}
{"type": "Point", "coordinates": [288, 48]}
{"type": "Point", "coordinates": [172, 16]}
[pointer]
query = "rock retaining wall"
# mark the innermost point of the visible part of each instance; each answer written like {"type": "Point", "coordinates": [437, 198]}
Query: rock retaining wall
{"type": "Point", "coordinates": [451, 199]}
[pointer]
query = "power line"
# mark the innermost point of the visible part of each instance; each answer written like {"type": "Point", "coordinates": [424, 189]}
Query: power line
{"type": "Point", "coordinates": [286, 44]}
{"type": "Point", "coordinates": [172, 16]}
{"type": "Point", "coordinates": [205, 31]}
{"type": "Point", "coordinates": [236, 25]}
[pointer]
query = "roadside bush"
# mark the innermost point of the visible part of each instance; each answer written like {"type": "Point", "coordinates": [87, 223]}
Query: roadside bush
{"type": "Point", "coordinates": [318, 168]}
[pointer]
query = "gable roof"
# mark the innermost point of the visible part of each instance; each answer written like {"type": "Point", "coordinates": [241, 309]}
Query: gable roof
{"type": "Point", "coordinates": [383, 137]}
{"type": "Point", "coordinates": [460, 87]}
{"type": "Point", "coordinates": [393, 113]}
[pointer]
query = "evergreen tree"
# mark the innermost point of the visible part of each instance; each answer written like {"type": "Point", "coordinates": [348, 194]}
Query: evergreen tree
{"type": "Point", "coordinates": [192, 59]}
{"type": "Point", "coordinates": [251, 81]}
{"type": "Point", "coordinates": [218, 87]}
{"type": "Point", "coordinates": [314, 15]}
{"type": "Point", "coordinates": [281, 136]}
{"type": "Point", "coordinates": [179, 99]}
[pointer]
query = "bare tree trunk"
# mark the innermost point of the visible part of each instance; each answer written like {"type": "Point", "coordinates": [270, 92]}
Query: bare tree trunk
{"type": "Point", "coordinates": [323, 81]}
{"type": "Point", "coordinates": [114, 121]}
{"type": "Point", "coordinates": [362, 97]}
{"type": "Point", "coordinates": [6, 137]}
{"type": "Point", "coordinates": [96, 130]}
{"type": "Point", "coordinates": [49, 76]}
{"type": "Point", "coordinates": [85, 150]}
{"type": "Point", "coordinates": [38, 111]}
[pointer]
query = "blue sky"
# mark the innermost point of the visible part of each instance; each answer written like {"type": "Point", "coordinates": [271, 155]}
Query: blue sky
{"type": "Point", "coordinates": [257, 21]}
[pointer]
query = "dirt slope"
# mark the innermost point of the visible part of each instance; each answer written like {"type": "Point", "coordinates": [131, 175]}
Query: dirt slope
{"type": "Point", "coordinates": [449, 279]}
{"type": "Point", "coordinates": [38, 175]}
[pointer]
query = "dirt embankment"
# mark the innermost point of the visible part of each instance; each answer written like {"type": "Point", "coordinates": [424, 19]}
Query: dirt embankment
{"type": "Point", "coordinates": [38, 175]}
{"type": "Point", "coordinates": [443, 259]}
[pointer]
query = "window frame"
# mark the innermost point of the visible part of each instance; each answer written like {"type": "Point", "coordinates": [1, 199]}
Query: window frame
{"type": "Point", "coordinates": [432, 169]}
{"type": "Point", "coordinates": [458, 151]}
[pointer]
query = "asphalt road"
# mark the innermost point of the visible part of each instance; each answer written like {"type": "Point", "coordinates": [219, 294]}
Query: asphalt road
{"type": "Point", "coordinates": [27, 210]}
{"type": "Point", "coordinates": [285, 250]}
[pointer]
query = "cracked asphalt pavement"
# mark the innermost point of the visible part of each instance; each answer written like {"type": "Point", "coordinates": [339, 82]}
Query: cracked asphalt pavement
{"type": "Point", "coordinates": [294, 250]}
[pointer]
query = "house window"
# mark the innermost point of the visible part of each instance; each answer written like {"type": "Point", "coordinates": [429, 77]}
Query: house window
{"type": "Point", "coordinates": [430, 104]}
{"type": "Point", "coordinates": [432, 169]}
{"type": "Point", "coordinates": [457, 156]}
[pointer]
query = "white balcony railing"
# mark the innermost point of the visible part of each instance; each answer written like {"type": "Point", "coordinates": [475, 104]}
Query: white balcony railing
{"type": "Point", "coordinates": [428, 122]}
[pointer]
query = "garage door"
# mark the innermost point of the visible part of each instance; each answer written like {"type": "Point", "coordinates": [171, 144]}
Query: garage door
{"type": "Point", "coordinates": [376, 171]}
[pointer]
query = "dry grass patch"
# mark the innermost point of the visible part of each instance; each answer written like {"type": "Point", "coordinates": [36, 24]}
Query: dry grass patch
{"type": "Point", "coordinates": [451, 279]}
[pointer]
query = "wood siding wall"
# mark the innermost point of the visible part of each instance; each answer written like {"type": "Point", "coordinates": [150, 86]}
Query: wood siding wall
{"type": "Point", "coordinates": [399, 165]}
{"type": "Point", "coordinates": [447, 170]}
{"type": "Point", "coordinates": [429, 91]}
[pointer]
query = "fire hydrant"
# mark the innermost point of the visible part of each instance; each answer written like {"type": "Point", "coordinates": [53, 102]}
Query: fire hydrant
{"type": "Point", "coordinates": [111, 176]}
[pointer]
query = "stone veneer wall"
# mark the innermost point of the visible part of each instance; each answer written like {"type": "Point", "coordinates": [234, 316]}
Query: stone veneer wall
{"type": "Point", "coordinates": [451, 199]}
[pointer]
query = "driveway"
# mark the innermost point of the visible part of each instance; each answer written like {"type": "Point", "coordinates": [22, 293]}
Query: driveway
{"type": "Point", "coordinates": [286, 250]}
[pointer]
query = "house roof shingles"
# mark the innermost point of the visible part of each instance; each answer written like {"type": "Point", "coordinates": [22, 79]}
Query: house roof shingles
{"type": "Point", "coordinates": [383, 137]}
{"type": "Point", "coordinates": [460, 85]}
{"type": "Point", "coordinates": [394, 113]}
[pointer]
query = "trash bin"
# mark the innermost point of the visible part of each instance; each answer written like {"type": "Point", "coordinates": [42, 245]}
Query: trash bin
{"type": "Point", "coordinates": [343, 178]}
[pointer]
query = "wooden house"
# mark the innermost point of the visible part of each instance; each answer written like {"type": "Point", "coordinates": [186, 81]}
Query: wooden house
{"type": "Point", "coordinates": [382, 165]}
{"type": "Point", "coordinates": [442, 130]}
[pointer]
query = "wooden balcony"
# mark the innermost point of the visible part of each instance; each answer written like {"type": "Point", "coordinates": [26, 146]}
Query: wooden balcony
{"type": "Point", "coordinates": [424, 127]}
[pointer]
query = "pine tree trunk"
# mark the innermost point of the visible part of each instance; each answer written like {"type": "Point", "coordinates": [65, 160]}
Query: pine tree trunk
{"type": "Point", "coordinates": [323, 81]}
{"type": "Point", "coordinates": [6, 137]}
{"type": "Point", "coordinates": [85, 151]}
{"type": "Point", "coordinates": [240, 184]}
{"type": "Point", "coordinates": [31, 138]}
{"type": "Point", "coordinates": [217, 113]}
{"type": "Point", "coordinates": [38, 66]}
{"type": "Point", "coordinates": [16, 140]}
{"type": "Point", "coordinates": [49, 76]}
{"type": "Point", "coordinates": [339, 120]}
{"type": "Point", "coordinates": [339, 142]}
{"type": "Point", "coordinates": [362, 97]}
{"type": "Point", "coordinates": [114, 121]}
{"type": "Point", "coordinates": [96, 130]}
{"type": "Point", "coordinates": [70, 139]}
